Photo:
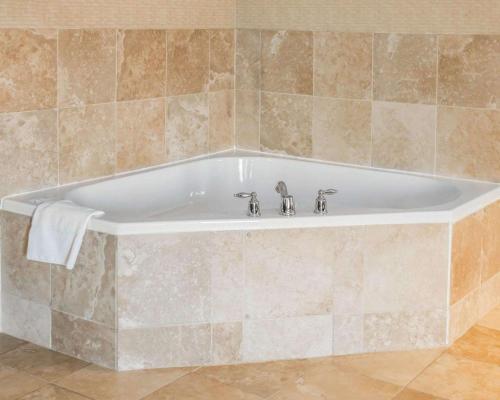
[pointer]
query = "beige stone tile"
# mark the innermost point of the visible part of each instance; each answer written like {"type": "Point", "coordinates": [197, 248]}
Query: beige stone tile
{"type": "Point", "coordinates": [464, 314]}
{"type": "Point", "coordinates": [221, 59]}
{"type": "Point", "coordinates": [140, 134]}
{"type": "Point", "coordinates": [247, 59]}
{"type": "Point", "coordinates": [404, 68]}
{"type": "Point", "coordinates": [491, 242]}
{"type": "Point", "coordinates": [86, 142]}
{"type": "Point", "coordinates": [286, 124]}
{"type": "Point", "coordinates": [88, 290]}
{"type": "Point", "coordinates": [42, 363]}
{"type": "Point", "coordinates": [404, 136]}
{"type": "Point", "coordinates": [187, 129]}
{"type": "Point", "coordinates": [6, 371]}
{"type": "Point", "coordinates": [175, 346]}
{"type": "Point", "coordinates": [28, 70]}
{"type": "Point", "coordinates": [8, 343]}
{"type": "Point", "coordinates": [83, 339]}
{"type": "Point", "coordinates": [187, 62]}
{"type": "Point", "coordinates": [226, 342]}
{"type": "Point", "coordinates": [478, 344]}
{"type": "Point", "coordinates": [341, 130]}
{"type": "Point", "coordinates": [348, 336]}
{"type": "Point", "coordinates": [26, 279]}
{"type": "Point", "coordinates": [343, 65]}
{"type": "Point", "coordinates": [247, 119]}
{"type": "Point", "coordinates": [104, 384]}
{"type": "Point", "coordinates": [18, 384]}
{"type": "Point", "coordinates": [86, 66]}
{"type": "Point", "coordinates": [409, 394]}
{"type": "Point", "coordinates": [141, 63]}
{"type": "Point", "coordinates": [398, 368]}
{"type": "Point", "coordinates": [51, 392]}
{"type": "Point", "coordinates": [468, 70]}
{"type": "Point", "coordinates": [287, 62]}
{"type": "Point", "coordinates": [468, 143]}
{"type": "Point", "coordinates": [221, 120]}
{"type": "Point", "coordinates": [489, 295]}
{"type": "Point", "coordinates": [491, 320]}
{"type": "Point", "coordinates": [456, 378]}
{"type": "Point", "coordinates": [28, 149]}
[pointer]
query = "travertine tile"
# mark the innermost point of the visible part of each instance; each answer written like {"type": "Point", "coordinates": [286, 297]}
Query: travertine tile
{"type": "Point", "coordinates": [247, 59]}
{"type": "Point", "coordinates": [491, 241]}
{"type": "Point", "coordinates": [478, 344]}
{"type": "Point", "coordinates": [8, 343]}
{"type": "Point", "coordinates": [88, 291]}
{"type": "Point", "coordinates": [29, 280]}
{"type": "Point", "coordinates": [28, 149]}
{"type": "Point", "coordinates": [221, 120]}
{"type": "Point", "coordinates": [287, 62]}
{"type": "Point", "coordinates": [247, 119]}
{"type": "Point", "coordinates": [348, 334]}
{"type": "Point", "coordinates": [468, 70]}
{"type": "Point", "coordinates": [492, 319]}
{"type": "Point", "coordinates": [18, 384]}
{"type": "Point", "coordinates": [140, 134]}
{"type": "Point", "coordinates": [489, 295]}
{"type": "Point", "coordinates": [468, 143]}
{"type": "Point", "coordinates": [221, 59]}
{"type": "Point", "coordinates": [286, 124]}
{"type": "Point", "coordinates": [404, 136]}
{"type": "Point", "coordinates": [343, 65]}
{"type": "Point", "coordinates": [52, 392]}
{"type": "Point", "coordinates": [226, 342]}
{"type": "Point", "coordinates": [187, 127]}
{"type": "Point", "coordinates": [86, 66]}
{"type": "Point", "coordinates": [83, 339]}
{"type": "Point", "coordinates": [404, 68]}
{"type": "Point", "coordinates": [463, 314]}
{"type": "Point", "coordinates": [187, 62]}
{"type": "Point", "coordinates": [86, 142]}
{"type": "Point", "coordinates": [28, 70]}
{"type": "Point", "coordinates": [141, 63]}
{"type": "Point", "coordinates": [341, 130]}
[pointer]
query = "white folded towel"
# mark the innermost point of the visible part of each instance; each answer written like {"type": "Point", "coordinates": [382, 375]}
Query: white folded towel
{"type": "Point", "coordinates": [57, 231]}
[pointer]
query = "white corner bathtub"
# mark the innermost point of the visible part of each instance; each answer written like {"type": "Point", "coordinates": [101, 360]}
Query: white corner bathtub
{"type": "Point", "coordinates": [197, 195]}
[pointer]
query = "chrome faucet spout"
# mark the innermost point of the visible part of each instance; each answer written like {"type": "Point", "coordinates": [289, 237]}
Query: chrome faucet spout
{"type": "Point", "coordinates": [281, 189]}
{"type": "Point", "coordinates": [287, 206]}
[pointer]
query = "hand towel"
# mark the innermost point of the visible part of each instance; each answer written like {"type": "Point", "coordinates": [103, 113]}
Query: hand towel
{"type": "Point", "coordinates": [57, 231]}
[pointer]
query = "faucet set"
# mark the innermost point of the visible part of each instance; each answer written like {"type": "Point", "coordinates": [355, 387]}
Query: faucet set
{"type": "Point", "coordinates": [287, 205]}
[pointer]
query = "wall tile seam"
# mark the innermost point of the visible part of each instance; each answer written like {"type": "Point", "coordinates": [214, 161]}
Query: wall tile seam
{"type": "Point", "coordinates": [8, 292]}
{"type": "Point", "coordinates": [54, 309]}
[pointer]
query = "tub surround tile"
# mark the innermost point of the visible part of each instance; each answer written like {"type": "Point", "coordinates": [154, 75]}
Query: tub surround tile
{"type": "Point", "coordinates": [141, 63]}
{"type": "Point", "coordinates": [221, 59]}
{"type": "Point", "coordinates": [247, 119]}
{"type": "Point", "coordinates": [226, 342]}
{"type": "Point", "coordinates": [341, 131]}
{"type": "Point", "coordinates": [463, 314]}
{"type": "Point", "coordinates": [348, 334]}
{"type": "Point", "coordinates": [491, 320]}
{"type": "Point", "coordinates": [404, 68]}
{"type": "Point", "coordinates": [140, 134]}
{"type": "Point", "coordinates": [221, 120]}
{"type": "Point", "coordinates": [188, 61]}
{"type": "Point", "coordinates": [491, 242]}
{"type": "Point", "coordinates": [287, 62]}
{"type": "Point", "coordinates": [86, 142]}
{"type": "Point", "coordinates": [468, 70]}
{"type": "Point", "coordinates": [343, 65]}
{"type": "Point", "coordinates": [247, 59]}
{"type": "Point", "coordinates": [28, 149]}
{"type": "Point", "coordinates": [86, 66]}
{"type": "Point", "coordinates": [28, 70]}
{"type": "Point", "coordinates": [404, 136]}
{"type": "Point", "coordinates": [286, 124]}
{"type": "Point", "coordinates": [489, 295]}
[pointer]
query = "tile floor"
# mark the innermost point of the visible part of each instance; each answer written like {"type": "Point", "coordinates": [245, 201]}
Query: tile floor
{"type": "Point", "coordinates": [468, 370]}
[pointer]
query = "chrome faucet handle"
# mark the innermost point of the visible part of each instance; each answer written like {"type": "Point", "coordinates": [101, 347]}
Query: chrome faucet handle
{"type": "Point", "coordinates": [320, 205]}
{"type": "Point", "coordinates": [253, 204]}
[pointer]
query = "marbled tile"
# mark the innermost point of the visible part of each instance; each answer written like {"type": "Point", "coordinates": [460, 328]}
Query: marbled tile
{"type": "Point", "coordinates": [86, 66]}
{"type": "Point", "coordinates": [287, 62]}
{"type": "Point", "coordinates": [174, 346]}
{"type": "Point", "coordinates": [247, 119]}
{"type": "Point", "coordinates": [141, 64]}
{"type": "Point", "coordinates": [52, 392]}
{"type": "Point", "coordinates": [404, 330]}
{"type": "Point", "coordinates": [86, 142]}
{"type": "Point", "coordinates": [468, 143]}
{"type": "Point", "coordinates": [28, 69]}
{"type": "Point", "coordinates": [221, 120]}
{"type": "Point", "coordinates": [247, 59]}
{"type": "Point", "coordinates": [140, 134]}
{"type": "Point", "coordinates": [341, 130]}
{"type": "Point", "coordinates": [221, 59]}
{"type": "Point", "coordinates": [290, 276]}
{"type": "Point", "coordinates": [26, 320]}
{"type": "Point", "coordinates": [8, 343]}
{"type": "Point", "coordinates": [491, 241]}
{"type": "Point", "coordinates": [286, 124]}
{"type": "Point", "coordinates": [29, 280]}
{"type": "Point", "coordinates": [463, 314]}
{"type": "Point", "coordinates": [83, 339]}
{"type": "Point", "coordinates": [404, 68]}
{"type": "Point", "coordinates": [274, 339]}
{"type": "Point", "coordinates": [28, 149]}
{"type": "Point", "coordinates": [187, 61]}
{"type": "Point", "coordinates": [348, 334]}
{"type": "Point", "coordinates": [479, 344]}
{"type": "Point", "coordinates": [88, 291]}
{"type": "Point", "coordinates": [404, 136]}
{"type": "Point", "coordinates": [343, 65]}
{"type": "Point", "coordinates": [226, 342]}
{"type": "Point", "coordinates": [187, 126]}
{"type": "Point", "coordinates": [468, 70]}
